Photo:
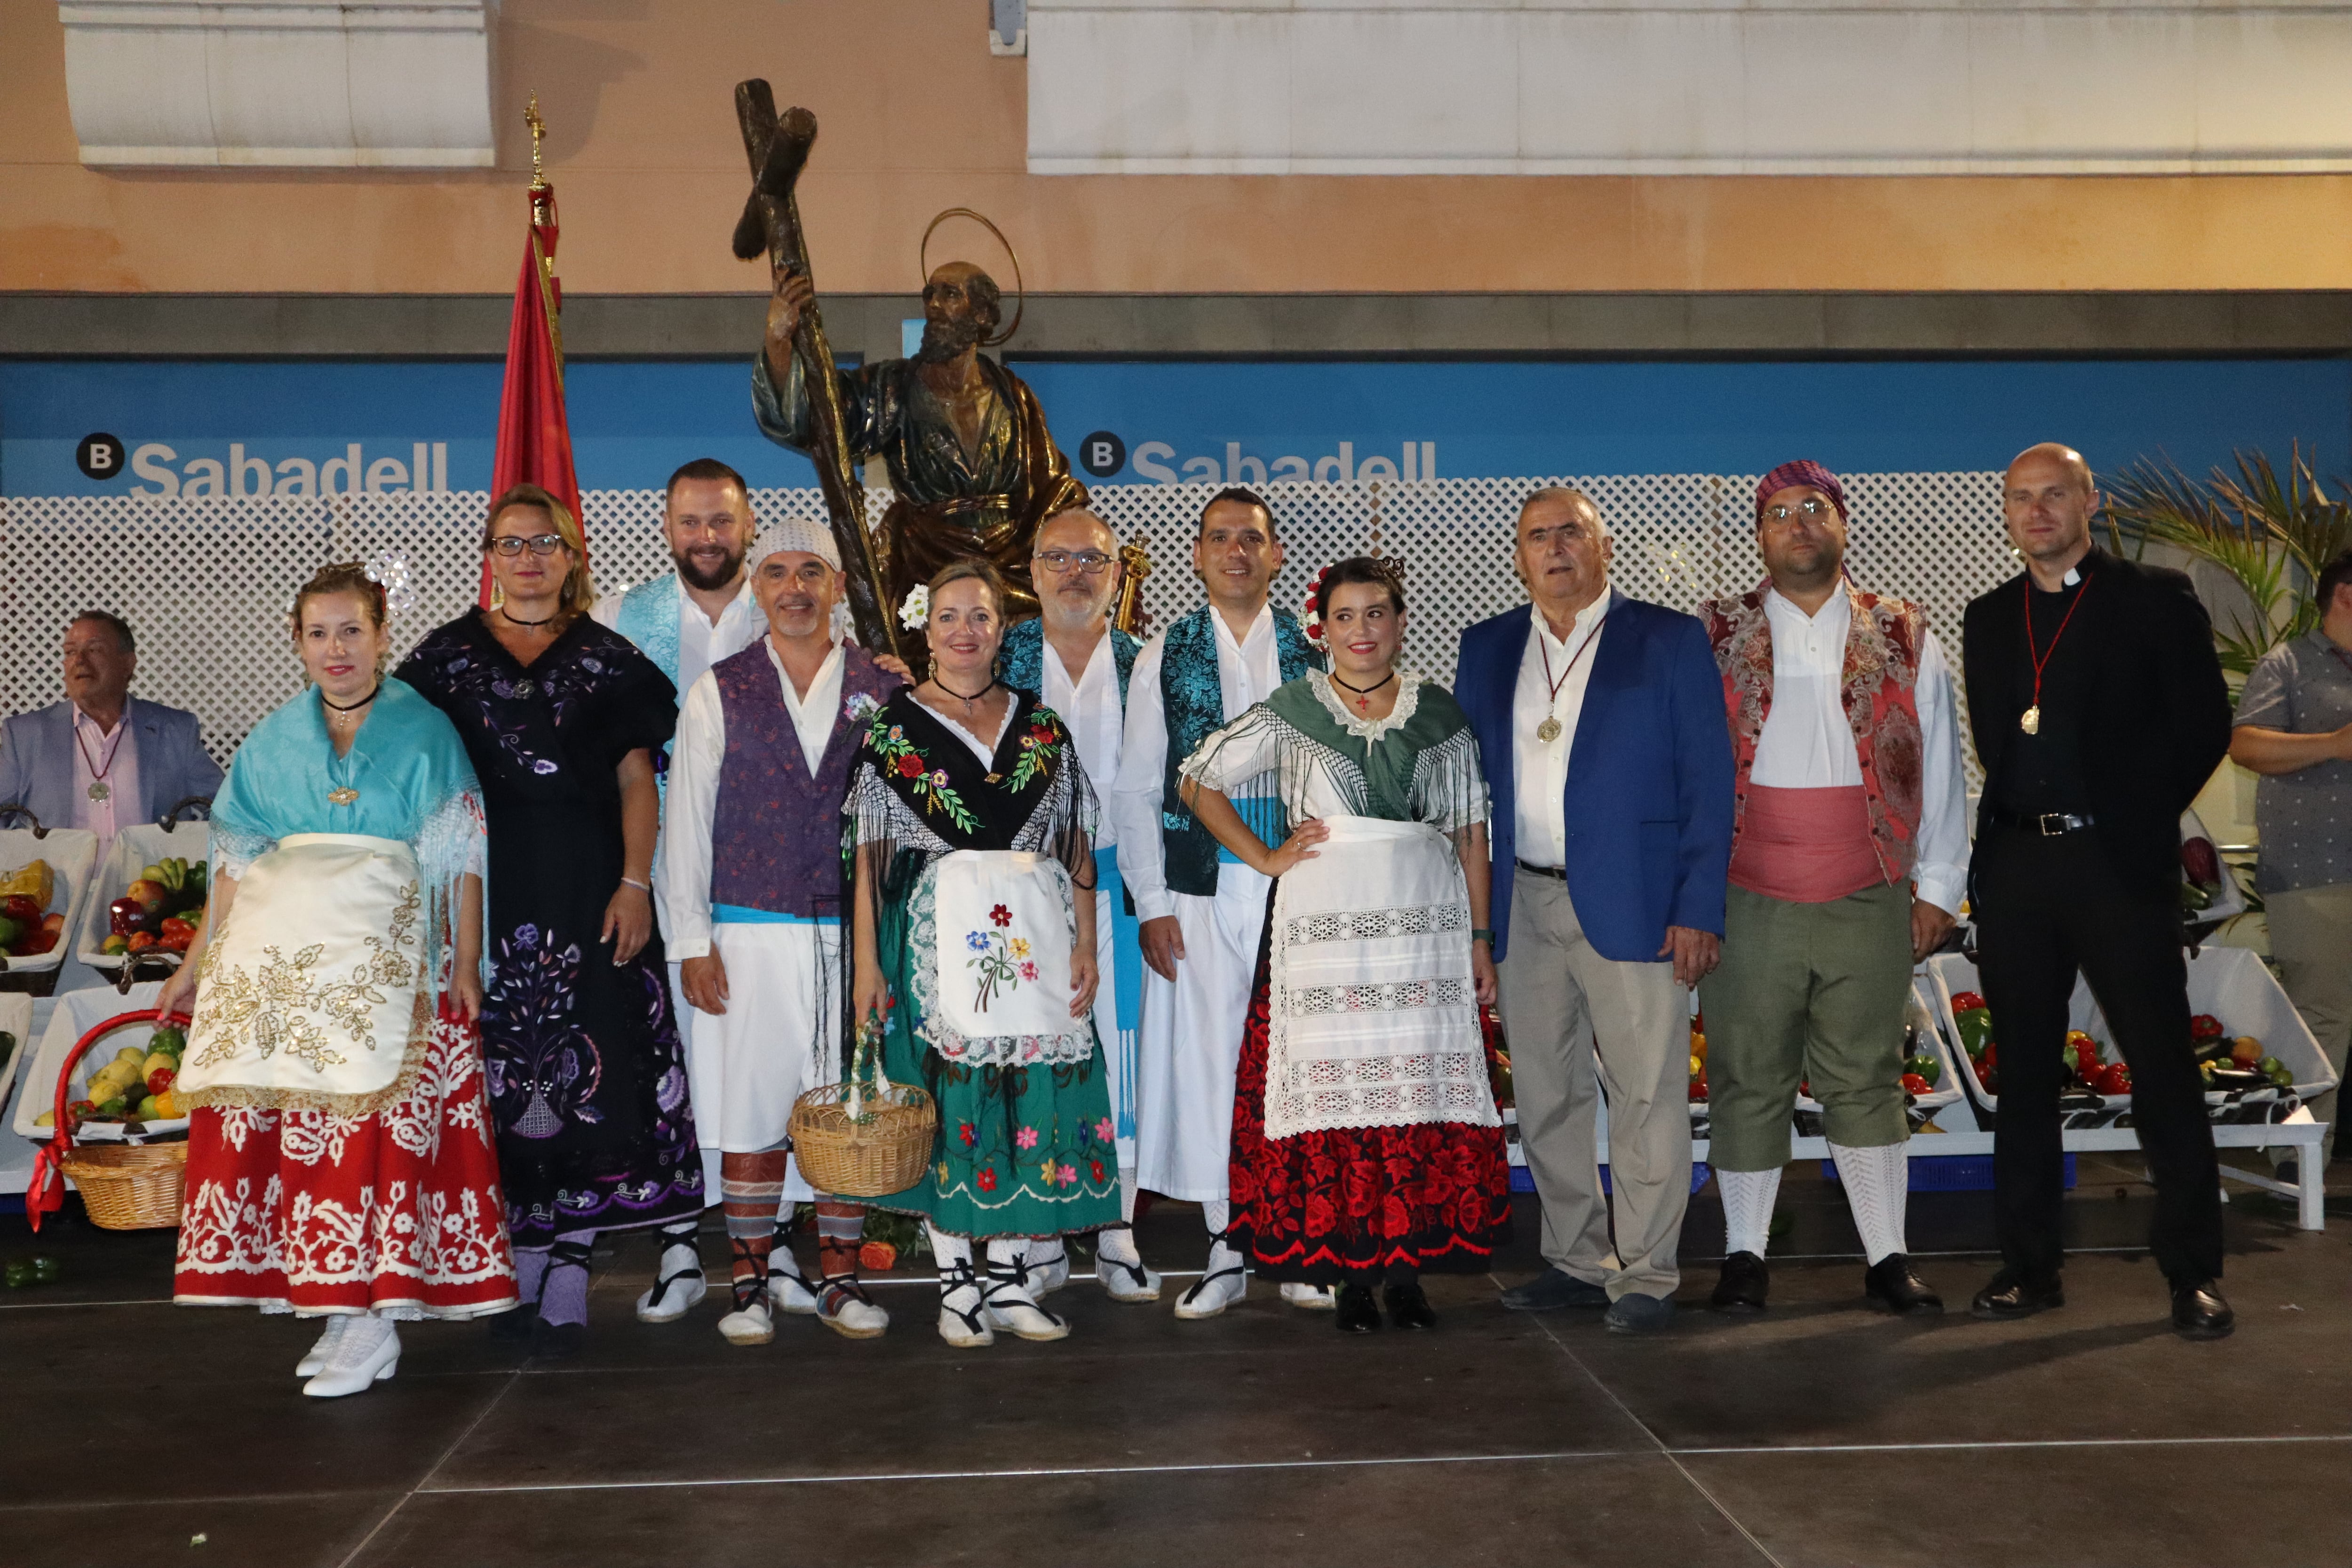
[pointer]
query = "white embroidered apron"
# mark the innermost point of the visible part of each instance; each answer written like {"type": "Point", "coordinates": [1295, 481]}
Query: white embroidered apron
{"type": "Point", "coordinates": [1002, 927]}
{"type": "Point", "coordinates": [1372, 1020]}
{"type": "Point", "coordinates": [312, 994]}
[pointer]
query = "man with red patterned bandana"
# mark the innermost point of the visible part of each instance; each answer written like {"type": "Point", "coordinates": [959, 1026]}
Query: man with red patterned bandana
{"type": "Point", "coordinates": [1849, 855]}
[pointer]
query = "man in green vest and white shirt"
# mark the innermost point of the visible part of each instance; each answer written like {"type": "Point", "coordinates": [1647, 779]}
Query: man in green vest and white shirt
{"type": "Point", "coordinates": [1201, 910]}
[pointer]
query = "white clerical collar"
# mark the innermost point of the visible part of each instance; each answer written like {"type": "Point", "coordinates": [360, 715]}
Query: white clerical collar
{"type": "Point", "coordinates": [2074, 576]}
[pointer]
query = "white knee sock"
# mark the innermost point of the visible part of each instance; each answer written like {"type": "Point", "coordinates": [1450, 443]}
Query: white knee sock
{"type": "Point", "coordinates": [1219, 1214]}
{"type": "Point", "coordinates": [948, 1250]}
{"type": "Point", "coordinates": [1877, 1188]}
{"type": "Point", "coordinates": [1128, 1183]}
{"type": "Point", "coordinates": [1748, 1198]}
{"type": "Point", "coordinates": [1117, 1243]}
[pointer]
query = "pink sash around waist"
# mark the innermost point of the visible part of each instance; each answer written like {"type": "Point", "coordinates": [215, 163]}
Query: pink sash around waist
{"type": "Point", "coordinates": [1806, 845]}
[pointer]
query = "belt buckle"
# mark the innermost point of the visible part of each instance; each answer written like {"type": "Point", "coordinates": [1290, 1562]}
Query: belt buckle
{"type": "Point", "coordinates": [2054, 824]}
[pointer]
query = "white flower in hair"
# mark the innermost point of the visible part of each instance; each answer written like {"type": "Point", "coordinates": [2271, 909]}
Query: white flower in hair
{"type": "Point", "coordinates": [916, 608]}
{"type": "Point", "coordinates": [389, 571]}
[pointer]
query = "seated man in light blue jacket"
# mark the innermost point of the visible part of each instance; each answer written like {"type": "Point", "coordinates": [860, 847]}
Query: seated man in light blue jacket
{"type": "Point", "coordinates": [1600, 719]}
{"type": "Point", "coordinates": [102, 759]}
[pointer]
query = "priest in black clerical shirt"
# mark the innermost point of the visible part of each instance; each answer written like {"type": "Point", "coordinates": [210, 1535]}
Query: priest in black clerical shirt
{"type": "Point", "coordinates": [2099, 711]}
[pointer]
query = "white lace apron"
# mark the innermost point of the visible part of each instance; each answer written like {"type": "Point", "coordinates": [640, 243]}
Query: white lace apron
{"type": "Point", "coordinates": [1373, 1021]}
{"type": "Point", "coordinates": [313, 995]}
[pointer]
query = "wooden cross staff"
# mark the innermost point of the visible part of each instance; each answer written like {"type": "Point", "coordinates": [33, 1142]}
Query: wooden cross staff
{"type": "Point", "coordinates": [778, 149]}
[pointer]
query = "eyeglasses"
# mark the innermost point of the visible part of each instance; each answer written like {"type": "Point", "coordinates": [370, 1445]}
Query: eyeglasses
{"type": "Point", "coordinates": [540, 544]}
{"type": "Point", "coordinates": [1093, 563]}
{"type": "Point", "coordinates": [1783, 513]}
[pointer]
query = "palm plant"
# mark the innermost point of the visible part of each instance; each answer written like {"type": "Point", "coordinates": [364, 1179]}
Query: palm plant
{"type": "Point", "coordinates": [2271, 536]}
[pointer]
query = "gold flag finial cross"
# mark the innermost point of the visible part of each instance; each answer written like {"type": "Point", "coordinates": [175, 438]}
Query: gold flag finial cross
{"type": "Point", "coordinates": [538, 134]}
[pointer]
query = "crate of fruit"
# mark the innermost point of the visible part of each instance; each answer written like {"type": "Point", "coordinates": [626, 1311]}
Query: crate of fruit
{"type": "Point", "coordinates": [45, 874]}
{"type": "Point", "coordinates": [2256, 1055]}
{"type": "Point", "coordinates": [1929, 1078]}
{"type": "Point", "coordinates": [146, 901]}
{"type": "Point", "coordinates": [118, 1095]}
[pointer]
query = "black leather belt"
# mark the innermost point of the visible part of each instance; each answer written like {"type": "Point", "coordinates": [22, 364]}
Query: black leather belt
{"type": "Point", "coordinates": [1557, 873]}
{"type": "Point", "coordinates": [2048, 824]}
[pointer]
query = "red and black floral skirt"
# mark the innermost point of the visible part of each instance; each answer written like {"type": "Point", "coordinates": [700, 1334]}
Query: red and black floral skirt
{"type": "Point", "coordinates": [1361, 1204]}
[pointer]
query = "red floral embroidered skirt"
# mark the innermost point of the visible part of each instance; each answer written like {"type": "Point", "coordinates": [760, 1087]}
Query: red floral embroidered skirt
{"type": "Point", "coordinates": [1361, 1204]}
{"type": "Point", "coordinates": [299, 1211]}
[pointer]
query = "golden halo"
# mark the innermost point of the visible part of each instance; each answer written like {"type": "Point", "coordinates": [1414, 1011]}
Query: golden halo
{"type": "Point", "coordinates": [1020, 291]}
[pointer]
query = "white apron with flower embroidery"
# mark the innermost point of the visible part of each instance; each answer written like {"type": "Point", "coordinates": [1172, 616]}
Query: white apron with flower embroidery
{"type": "Point", "coordinates": [311, 996]}
{"type": "Point", "coordinates": [1003, 943]}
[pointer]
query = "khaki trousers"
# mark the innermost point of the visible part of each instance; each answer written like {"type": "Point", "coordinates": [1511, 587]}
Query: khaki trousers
{"type": "Point", "coordinates": [1807, 991]}
{"type": "Point", "coordinates": [1564, 1005]}
{"type": "Point", "coordinates": [2311, 940]}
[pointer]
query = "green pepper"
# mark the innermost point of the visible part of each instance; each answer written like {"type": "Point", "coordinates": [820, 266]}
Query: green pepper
{"type": "Point", "coordinates": [1975, 1027]}
{"type": "Point", "coordinates": [47, 1270]}
{"type": "Point", "coordinates": [1927, 1067]}
{"type": "Point", "coordinates": [18, 1274]}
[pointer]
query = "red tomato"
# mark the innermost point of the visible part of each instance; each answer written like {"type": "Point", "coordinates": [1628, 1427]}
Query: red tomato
{"type": "Point", "coordinates": [22, 908]}
{"type": "Point", "coordinates": [2114, 1078]}
{"type": "Point", "coordinates": [1698, 1088]}
{"type": "Point", "coordinates": [1964, 1001]}
{"type": "Point", "coordinates": [1990, 1060]}
{"type": "Point", "coordinates": [1914, 1084]}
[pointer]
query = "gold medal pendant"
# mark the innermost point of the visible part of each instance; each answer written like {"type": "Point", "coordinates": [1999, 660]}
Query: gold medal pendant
{"type": "Point", "coordinates": [342, 795]}
{"type": "Point", "coordinates": [98, 790]}
{"type": "Point", "coordinates": [2031, 720]}
{"type": "Point", "coordinates": [1549, 730]}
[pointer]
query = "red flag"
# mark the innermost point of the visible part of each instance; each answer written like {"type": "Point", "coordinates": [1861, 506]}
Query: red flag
{"type": "Point", "coordinates": [534, 439]}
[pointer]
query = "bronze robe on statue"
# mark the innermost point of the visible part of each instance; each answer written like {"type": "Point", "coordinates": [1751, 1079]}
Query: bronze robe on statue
{"type": "Point", "coordinates": [949, 504]}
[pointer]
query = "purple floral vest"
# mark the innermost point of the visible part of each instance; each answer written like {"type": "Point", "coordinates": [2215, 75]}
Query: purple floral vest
{"type": "Point", "coordinates": [775, 837]}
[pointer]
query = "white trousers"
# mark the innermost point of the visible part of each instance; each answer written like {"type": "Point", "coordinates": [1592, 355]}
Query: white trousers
{"type": "Point", "coordinates": [746, 1065]}
{"type": "Point", "coordinates": [1192, 1040]}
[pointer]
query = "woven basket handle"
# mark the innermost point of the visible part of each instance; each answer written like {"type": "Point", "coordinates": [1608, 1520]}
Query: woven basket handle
{"type": "Point", "coordinates": [47, 1190]}
{"type": "Point", "coordinates": [869, 1049]}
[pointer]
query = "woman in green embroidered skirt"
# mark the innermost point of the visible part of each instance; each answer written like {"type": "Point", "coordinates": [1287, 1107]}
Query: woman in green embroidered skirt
{"type": "Point", "coordinates": [969, 824]}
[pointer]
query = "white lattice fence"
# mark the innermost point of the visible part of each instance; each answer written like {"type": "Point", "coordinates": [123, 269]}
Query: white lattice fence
{"type": "Point", "coordinates": [205, 581]}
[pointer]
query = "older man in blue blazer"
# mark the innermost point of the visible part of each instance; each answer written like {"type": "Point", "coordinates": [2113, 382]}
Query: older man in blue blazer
{"type": "Point", "coordinates": [102, 759]}
{"type": "Point", "coordinates": [1600, 720]}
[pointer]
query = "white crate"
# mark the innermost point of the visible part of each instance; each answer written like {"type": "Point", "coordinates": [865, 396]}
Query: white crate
{"type": "Point", "coordinates": [135, 849]}
{"type": "Point", "coordinates": [72, 854]}
{"type": "Point", "coordinates": [16, 1019]}
{"type": "Point", "coordinates": [2230, 982]}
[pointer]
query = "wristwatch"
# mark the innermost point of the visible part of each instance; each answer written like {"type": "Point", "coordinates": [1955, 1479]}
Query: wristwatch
{"type": "Point", "coordinates": [1481, 935]}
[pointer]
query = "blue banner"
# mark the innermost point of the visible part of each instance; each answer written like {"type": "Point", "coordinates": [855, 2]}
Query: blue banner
{"type": "Point", "coordinates": [244, 428]}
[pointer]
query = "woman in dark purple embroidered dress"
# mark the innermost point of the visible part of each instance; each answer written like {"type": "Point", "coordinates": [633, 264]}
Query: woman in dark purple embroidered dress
{"type": "Point", "coordinates": [587, 1078]}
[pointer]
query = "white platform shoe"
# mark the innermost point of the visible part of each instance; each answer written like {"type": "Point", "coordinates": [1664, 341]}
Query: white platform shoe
{"type": "Point", "coordinates": [1311, 1298]}
{"type": "Point", "coordinates": [1008, 1304]}
{"type": "Point", "coordinates": [1124, 1275]}
{"type": "Point", "coordinates": [679, 1285]}
{"type": "Point", "coordinates": [1224, 1282]}
{"type": "Point", "coordinates": [368, 1353]}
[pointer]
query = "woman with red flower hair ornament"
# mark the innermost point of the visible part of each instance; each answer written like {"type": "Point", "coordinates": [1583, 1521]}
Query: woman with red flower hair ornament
{"type": "Point", "coordinates": [969, 828]}
{"type": "Point", "coordinates": [1366, 1146]}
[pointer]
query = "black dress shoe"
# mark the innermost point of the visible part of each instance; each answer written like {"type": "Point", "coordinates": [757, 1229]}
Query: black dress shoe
{"type": "Point", "coordinates": [514, 1328]}
{"type": "Point", "coordinates": [2012, 1295]}
{"type": "Point", "coordinates": [2199, 1312]}
{"type": "Point", "coordinates": [1359, 1312]}
{"type": "Point", "coordinates": [1742, 1286]}
{"type": "Point", "coordinates": [559, 1341]}
{"type": "Point", "coordinates": [1555, 1288]}
{"type": "Point", "coordinates": [1408, 1307]}
{"type": "Point", "coordinates": [1890, 1283]}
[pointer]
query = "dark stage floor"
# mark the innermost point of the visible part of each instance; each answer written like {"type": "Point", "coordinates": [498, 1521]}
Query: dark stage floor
{"type": "Point", "coordinates": [1822, 1433]}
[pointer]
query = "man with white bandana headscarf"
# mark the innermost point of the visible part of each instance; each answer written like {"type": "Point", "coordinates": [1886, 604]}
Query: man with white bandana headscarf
{"type": "Point", "coordinates": [751, 885]}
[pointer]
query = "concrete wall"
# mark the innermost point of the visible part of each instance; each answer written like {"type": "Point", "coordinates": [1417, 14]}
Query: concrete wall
{"type": "Point", "coordinates": [917, 116]}
{"type": "Point", "coordinates": [659, 325]}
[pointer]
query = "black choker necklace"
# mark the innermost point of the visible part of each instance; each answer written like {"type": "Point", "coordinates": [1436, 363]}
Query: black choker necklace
{"type": "Point", "coordinates": [1364, 694]}
{"type": "Point", "coordinates": [350, 707]}
{"type": "Point", "coordinates": [512, 622]}
{"type": "Point", "coordinates": [959, 695]}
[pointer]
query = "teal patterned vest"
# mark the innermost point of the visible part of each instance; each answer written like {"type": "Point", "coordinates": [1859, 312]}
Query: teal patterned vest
{"type": "Point", "coordinates": [649, 618]}
{"type": "Point", "coordinates": [1021, 660]}
{"type": "Point", "coordinates": [1194, 701]}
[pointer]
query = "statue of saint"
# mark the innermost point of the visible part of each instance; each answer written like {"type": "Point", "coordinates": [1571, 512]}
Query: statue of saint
{"type": "Point", "coordinates": [973, 468]}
